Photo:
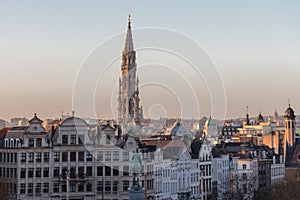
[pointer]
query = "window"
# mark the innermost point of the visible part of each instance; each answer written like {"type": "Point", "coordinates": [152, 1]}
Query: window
{"type": "Point", "coordinates": [115, 171]}
{"type": "Point", "coordinates": [46, 157]}
{"type": "Point", "coordinates": [72, 186]}
{"type": "Point", "coordinates": [38, 188]}
{"type": "Point", "coordinates": [81, 156]}
{"type": "Point", "coordinates": [23, 173]}
{"type": "Point", "coordinates": [99, 155]}
{"type": "Point", "coordinates": [30, 157]}
{"type": "Point", "coordinates": [81, 172]}
{"type": "Point", "coordinates": [30, 188]}
{"type": "Point", "coordinates": [38, 157]}
{"type": "Point", "coordinates": [30, 142]}
{"type": "Point", "coordinates": [115, 186]}
{"type": "Point", "coordinates": [30, 173]}
{"type": "Point", "coordinates": [107, 139]}
{"type": "Point", "coordinates": [244, 166]}
{"type": "Point", "coordinates": [23, 157]}
{"type": "Point", "coordinates": [89, 171]}
{"type": "Point", "coordinates": [99, 186]}
{"type": "Point", "coordinates": [56, 172]}
{"type": "Point", "coordinates": [64, 156]}
{"type": "Point", "coordinates": [115, 155]}
{"type": "Point", "coordinates": [72, 139]}
{"type": "Point", "coordinates": [125, 185]}
{"type": "Point", "coordinates": [81, 139]}
{"type": "Point", "coordinates": [125, 170]}
{"type": "Point", "coordinates": [63, 186]}
{"type": "Point", "coordinates": [22, 188]}
{"type": "Point", "coordinates": [56, 157]}
{"type": "Point", "coordinates": [38, 172]}
{"type": "Point", "coordinates": [107, 155]}
{"type": "Point", "coordinates": [80, 186]}
{"type": "Point", "coordinates": [65, 139]}
{"type": "Point", "coordinates": [125, 155]}
{"type": "Point", "coordinates": [72, 172]}
{"type": "Point", "coordinates": [89, 186]}
{"type": "Point", "coordinates": [89, 156]}
{"type": "Point", "coordinates": [107, 171]}
{"type": "Point", "coordinates": [46, 187]}
{"type": "Point", "coordinates": [107, 186]}
{"type": "Point", "coordinates": [99, 171]}
{"type": "Point", "coordinates": [244, 176]}
{"type": "Point", "coordinates": [38, 142]}
{"type": "Point", "coordinates": [72, 156]}
{"type": "Point", "coordinates": [0, 157]}
{"type": "Point", "coordinates": [46, 172]}
{"type": "Point", "coordinates": [56, 187]}
{"type": "Point", "coordinates": [64, 171]}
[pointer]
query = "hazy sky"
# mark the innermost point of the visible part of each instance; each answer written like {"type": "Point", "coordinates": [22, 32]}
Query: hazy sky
{"type": "Point", "coordinates": [254, 44]}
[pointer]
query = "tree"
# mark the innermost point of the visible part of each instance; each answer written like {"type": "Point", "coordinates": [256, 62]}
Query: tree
{"type": "Point", "coordinates": [284, 191]}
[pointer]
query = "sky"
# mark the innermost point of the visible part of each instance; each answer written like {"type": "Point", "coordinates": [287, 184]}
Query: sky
{"type": "Point", "coordinates": [253, 45]}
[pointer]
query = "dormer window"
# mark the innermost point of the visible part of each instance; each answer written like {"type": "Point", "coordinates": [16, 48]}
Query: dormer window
{"type": "Point", "coordinates": [30, 142]}
{"type": "Point", "coordinates": [38, 142]}
{"type": "Point", "coordinates": [72, 139]}
{"type": "Point", "coordinates": [65, 139]}
{"type": "Point", "coordinates": [107, 139]}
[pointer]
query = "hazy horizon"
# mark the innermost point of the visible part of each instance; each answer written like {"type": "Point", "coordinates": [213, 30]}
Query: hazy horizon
{"type": "Point", "coordinates": [254, 45]}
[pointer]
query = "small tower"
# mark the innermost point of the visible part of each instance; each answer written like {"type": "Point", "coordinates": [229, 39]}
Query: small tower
{"type": "Point", "coordinates": [290, 126]}
{"type": "Point", "coordinates": [275, 117]}
{"type": "Point", "coordinates": [259, 119]}
{"type": "Point", "coordinates": [247, 117]}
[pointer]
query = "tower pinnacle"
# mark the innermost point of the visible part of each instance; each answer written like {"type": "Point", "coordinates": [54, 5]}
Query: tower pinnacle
{"type": "Point", "coordinates": [129, 41]}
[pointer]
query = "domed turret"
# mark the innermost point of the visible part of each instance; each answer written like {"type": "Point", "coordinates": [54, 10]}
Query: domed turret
{"type": "Point", "coordinates": [289, 113]}
{"type": "Point", "coordinates": [260, 118]}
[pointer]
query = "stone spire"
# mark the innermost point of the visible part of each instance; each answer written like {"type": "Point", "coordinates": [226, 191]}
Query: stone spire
{"type": "Point", "coordinates": [129, 41]}
{"type": "Point", "coordinates": [247, 117]}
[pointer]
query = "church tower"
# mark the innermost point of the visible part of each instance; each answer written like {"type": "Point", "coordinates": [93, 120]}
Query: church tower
{"type": "Point", "coordinates": [129, 111]}
{"type": "Point", "coordinates": [290, 126]}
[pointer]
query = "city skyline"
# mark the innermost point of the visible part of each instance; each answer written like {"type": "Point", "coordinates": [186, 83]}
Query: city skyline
{"type": "Point", "coordinates": [256, 54]}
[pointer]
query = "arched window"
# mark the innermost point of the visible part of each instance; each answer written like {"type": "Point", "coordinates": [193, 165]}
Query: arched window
{"type": "Point", "coordinates": [6, 142]}
{"type": "Point", "coordinates": [12, 143]}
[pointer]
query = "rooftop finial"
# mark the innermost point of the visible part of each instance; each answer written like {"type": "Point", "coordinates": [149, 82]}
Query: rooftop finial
{"type": "Point", "coordinates": [289, 103]}
{"type": "Point", "coordinates": [129, 19]}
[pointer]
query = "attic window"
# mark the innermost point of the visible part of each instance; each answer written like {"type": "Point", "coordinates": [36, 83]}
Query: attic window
{"type": "Point", "coordinates": [298, 156]}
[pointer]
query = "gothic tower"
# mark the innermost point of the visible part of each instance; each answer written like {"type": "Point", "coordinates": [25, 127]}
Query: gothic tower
{"type": "Point", "coordinates": [290, 126]}
{"type": "Point", "coordinates": [129, 111]}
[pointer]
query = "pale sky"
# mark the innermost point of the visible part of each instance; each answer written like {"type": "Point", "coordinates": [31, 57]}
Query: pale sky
{"type": "Point", "coordinates": [254, 44]}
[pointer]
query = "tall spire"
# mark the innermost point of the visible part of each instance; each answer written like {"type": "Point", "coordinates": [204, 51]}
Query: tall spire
{"type": "Point", "coordinates": [129, 41]}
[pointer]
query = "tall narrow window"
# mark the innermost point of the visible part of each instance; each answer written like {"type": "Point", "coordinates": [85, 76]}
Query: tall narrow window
{"type": "Point", "coordinates": [115, 155]}
{"type": "Point", "coordinates": [38, 157]}
{"type": "Point", "coordinates": [72, 156]}
{"type": "Point", "coordinates": [46, 157]}
{"type": "Point", "coordinates": [89, 156]}
{"type": "Point", "coordinates": [30, 142]}
{"type": "Point", "coordinates": [30, 157]}
{"type": "Point", "coordinates": [23, 157]}
{"type": "Point", "coordinates": [64, 156]}
{"type": "Point", "coordinates": [72, 139]}
{"type": "Point", "coordinates": [38, 142]}
{"type": "Point", "coordinates": [38, 172]}
{"type": "Point", "coordinates": [46, 172]}
{"type": "Point", "coordinates": [56, 156]}
{"type": "Point", "coordinates": [81, 156]}
{"type": "Point", "coordinates": [46, 187]}
{"type": "Point", "coordinates": [65, 139]}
